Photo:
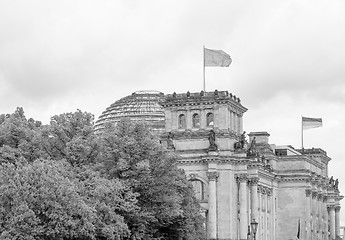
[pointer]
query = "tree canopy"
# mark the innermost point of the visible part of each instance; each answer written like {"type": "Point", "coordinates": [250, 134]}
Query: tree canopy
{"type": "Point", "coordinates": [64, 181]}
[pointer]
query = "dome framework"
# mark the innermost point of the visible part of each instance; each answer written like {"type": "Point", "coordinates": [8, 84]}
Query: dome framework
{"type": "Point", "coordinates": [140, 106]}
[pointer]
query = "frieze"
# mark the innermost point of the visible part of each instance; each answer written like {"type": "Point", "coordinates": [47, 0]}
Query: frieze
{"type": "Point", "coordinates": [212, 176]}
{"type": "Point", "coordinates": [202, 133]}
{"type": "Point", "coordinates": [204, 160]}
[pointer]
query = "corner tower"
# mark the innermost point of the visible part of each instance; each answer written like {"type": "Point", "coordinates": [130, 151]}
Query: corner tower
{"type": "Point", "coordinates": [203, 128]}
{"type": "Point", "coordinates": [190, 119]}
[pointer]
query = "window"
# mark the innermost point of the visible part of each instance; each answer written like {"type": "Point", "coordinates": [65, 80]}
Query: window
{"type": "Point", "coordinates": [209, 120]}
{"type": "Point", "coordinates": [182, 121]}
{"type": "Point", "coordinates": [196, 120]}
{"type": "Point", "coordinates": [199, 189]}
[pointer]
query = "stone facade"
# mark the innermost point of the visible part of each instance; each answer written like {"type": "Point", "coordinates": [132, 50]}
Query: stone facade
{"type": "Point", "coordinates": [286, 190]}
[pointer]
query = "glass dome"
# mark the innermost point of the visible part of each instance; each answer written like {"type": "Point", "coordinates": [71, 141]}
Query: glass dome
{"type": "Point", "coordinates": [141, 105]}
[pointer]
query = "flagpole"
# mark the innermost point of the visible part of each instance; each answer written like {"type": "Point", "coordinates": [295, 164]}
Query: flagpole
{"type": "Point", "coordinates": [204, 87]}
{"type": "Point", "coordinates": [302, 133]}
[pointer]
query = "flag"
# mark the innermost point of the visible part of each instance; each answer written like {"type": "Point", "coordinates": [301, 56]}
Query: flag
{"type": "Point", "coordinates": [216, 58]}
{"type": "Point", "coordinates": [308, 123]}
{"type": "Point", "coordinates": [298, 228]}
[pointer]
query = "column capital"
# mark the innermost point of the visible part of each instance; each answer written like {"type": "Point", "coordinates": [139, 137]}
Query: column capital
{"type": "Point", "coordinates": [253, 181]}
{"type": "Point", "coordinates": [314, 194]}
{"type": "Point", "coordinates": [243, 177]}
{"type": "Point", "coordinates": [212, 176]}
{"type": "Point", "coordinates": [319, 196]}
{"type": "Point", "coordinates": [330, 207]}
{"type": "Point", "coordinates": [337, 208]}
{"type": "Point", "coordinates": [268, 191]}
{"type": "Point", "coordinates": [308, 192]}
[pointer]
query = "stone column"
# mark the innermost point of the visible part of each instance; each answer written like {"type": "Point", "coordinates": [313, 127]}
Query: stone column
{"type": "Point", "coordinates": [314, 213]}
{"type": "Point", "coordinates": [337, 221]}
{"type": "Point", "coordinates": [254, 198]}
{"type": "Point", "coordinates": [240, 119]}
{"type": "Point", "coordinates": [325, 217]}
{"type": "Point", "coordinates": [212, 205]}
{"type": "Point", "coordinates": [242, 179]}
{"type": "Point", "coordinates": [332, 221]}
{"type": "Point", "coordinates": [319, 223]}
{"type": "Point", "coordinates": [308, 212]}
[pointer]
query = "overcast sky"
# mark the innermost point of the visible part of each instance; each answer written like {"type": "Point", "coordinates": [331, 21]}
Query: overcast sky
{"type": "Point", "coordinates": [288, 60]}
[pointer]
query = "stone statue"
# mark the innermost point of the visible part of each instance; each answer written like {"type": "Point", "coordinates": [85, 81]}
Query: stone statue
{"type": "Point", "coordinates": [212, 140]}
{"type": "Point", "coordinates": [336, 183]}
{"type": "Point", "coordinates": [241, 143]}
{"type": "Point", "coordinates": [252, 149]}
{"type": "Point", "coordinates": [243, 139]}
{"type": "Point", "coordinates": [170, 141]}
{"type": "Point", "coordinates": [331, 181]}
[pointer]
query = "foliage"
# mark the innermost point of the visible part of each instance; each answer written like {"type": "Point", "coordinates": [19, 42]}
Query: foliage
{"type": "Point", "coordinates": [63, 181]}
{"type": "Point", "coordinates": [70, 136]}
{"type": "Point", "coordinates": [17, 137]}
{"type": "Point", "coordinates": [45, 200]}
{"type": "Point", "coordinates": [132, 153]}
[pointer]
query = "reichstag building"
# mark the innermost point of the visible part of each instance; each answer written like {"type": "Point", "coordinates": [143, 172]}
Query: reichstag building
{"type": "Point", "coordinates": [246, 185]}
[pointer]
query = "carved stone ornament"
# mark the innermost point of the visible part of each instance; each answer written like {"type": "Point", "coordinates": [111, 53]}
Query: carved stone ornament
{"type": "Point", "coordinates": [308, 192]}
{"type": "Point", "coordinates": [325, 198]}
{"type": "Point", "coordinates": [329, 207]}
{"type": "Point", "coordinates": [314, 194]}
{"type": "Point", "coordinates": [319, 196]}
{"type": "Point", "coordinates": [212, 176]}
{"type": "Point", "coordinates": [259, 189]}
{"type": "Point", "coordinates": [193, 176]}
{"type": "Point", "coordinates": [253, 181]}
{"type": "Point", "coordinates": [242, 177]}
{"type": "Point", "coordinates": [337, 208]}
{"type": "Point", "coordinates": [268, 191]}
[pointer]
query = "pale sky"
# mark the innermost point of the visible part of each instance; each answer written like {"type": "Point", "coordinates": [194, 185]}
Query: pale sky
{"type": "Point", "coordinates": [288, 60]}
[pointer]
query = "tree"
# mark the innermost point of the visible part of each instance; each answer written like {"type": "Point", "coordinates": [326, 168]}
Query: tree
{"type": "Point", "coordinates": [17, 136]}
{"type": "Point", "coordinates": [70, 136]}
{"type": "Point", "coordinates": [46, 200]}
{"type": "Point", "coordinates": [169, 210]}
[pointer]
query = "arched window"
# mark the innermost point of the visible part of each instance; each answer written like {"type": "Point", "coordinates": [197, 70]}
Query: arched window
{"type": "Point", "coordinates": [196, 120]}
{"type": "Point", "coordinates": [182, 121]}
{"type": "Point", "coordinates": [199, 189]}
{"type": "Point", "coordinates": [209, 120]}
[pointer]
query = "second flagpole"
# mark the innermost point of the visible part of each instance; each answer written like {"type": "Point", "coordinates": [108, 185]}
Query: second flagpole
{"type": "Point", "coordinates": [203, 53]}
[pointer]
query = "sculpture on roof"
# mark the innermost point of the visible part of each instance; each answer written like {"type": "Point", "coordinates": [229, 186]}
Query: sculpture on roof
{"type": "Point", "coordinates": [331, 181]}
{"type": "Point", "coordinates": [252, 148]}
{"type": "Point", "coordinates": [240, 145]}
{"type": "Point", "coordinates": [212, 140]}
{"type": "Point", "coordinates": [336, 184]}
{"type": "Point", "coordinates": [170, 142]}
